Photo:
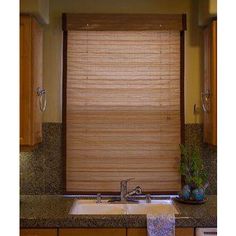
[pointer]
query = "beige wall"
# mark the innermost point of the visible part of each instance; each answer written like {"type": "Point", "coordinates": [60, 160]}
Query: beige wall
{"type": "Point", "coordinates": [213, 7]}
{"type": "Point", "coordinates": [39, 8]}
{"type": "Point", "coordinates": [53, 45]}
{"type": "Point", "coordinates": [207, 9]}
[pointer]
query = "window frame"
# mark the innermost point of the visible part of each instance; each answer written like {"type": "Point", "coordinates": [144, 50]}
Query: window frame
{"type": "Point", "coordinates": [104, 22]}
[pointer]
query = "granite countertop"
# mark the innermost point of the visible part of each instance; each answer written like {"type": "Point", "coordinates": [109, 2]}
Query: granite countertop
{"type": "Point", "coordinates": [49, 211]}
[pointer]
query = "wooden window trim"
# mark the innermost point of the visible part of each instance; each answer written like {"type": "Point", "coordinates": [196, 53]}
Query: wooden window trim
{"type": "Point", "coordinates": [67, 24]}
{"type": "Point", "coordinates": [102, 22]}
{"type": "Point", "coordinates": [210, 56]}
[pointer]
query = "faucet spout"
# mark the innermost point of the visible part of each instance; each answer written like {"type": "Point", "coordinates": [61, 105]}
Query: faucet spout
{"type": "Point", "coordinates": [124, 194]}
{"type": "Point", "coordinates": [136, 191]}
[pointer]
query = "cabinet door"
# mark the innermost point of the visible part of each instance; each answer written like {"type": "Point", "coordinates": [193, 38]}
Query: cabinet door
{"type": "Point", "coordinates": [37, 72]}
{"type": "Point", "coordinates": [31, 43]}
{"type": "Point", "coordinates": [38, 232]}
{"type": "Point", "coordinates": [143, 232]}
{"type": "Point", "coordinates": [93, 232]}
{"type": "Point", "coordinates": [25, 81]}
{"type": "Point", "coordinates": [184, 232]}
{"type": "Point", "coordinates": [209, 92]}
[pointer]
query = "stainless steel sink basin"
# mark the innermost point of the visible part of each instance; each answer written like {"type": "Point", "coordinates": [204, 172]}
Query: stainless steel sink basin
{"type": "Point", "coordinates": [90, 207]}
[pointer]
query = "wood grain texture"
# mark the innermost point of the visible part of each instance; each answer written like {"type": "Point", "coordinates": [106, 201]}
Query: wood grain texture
{"type": "Point", "coordinates": [25, 80]}
{"type": "Point", "coordinates": [93, 232]}
{"type": "Point", "coordinates": [214, 82]}
{"type": "Point", "coordinates": [31, 43]}
{"type": "Point", "coordinates": [37, 68]}
{"type": "Point", "coordinates": [122, 22]}
{"type": "Point", "coordinates": [181, 82]}
{"type": "Point", "coordinates": [38, 232]}
{"type": "Point", "coordinates": [184, 231]}
{"type": "Point", "coordinates": [143, 232]}
{"type": "Point", "coordinates": [123, 110]}
{"type": "Point", "coordinates": [210, 83]}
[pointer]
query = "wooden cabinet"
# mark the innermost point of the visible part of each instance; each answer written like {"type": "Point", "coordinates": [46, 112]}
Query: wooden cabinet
{"type": "Point", "coordinates": [31, 49]}
{"type": "Point", "coordinates": [184, 232]}
{"type": "Point", "coordinates": [98, 232]}
{"type": "Point", "coordinates": [38, 232]}
{"type": "Point", "coordinates": [93, 232]}
{"type": "Point", "coordinates": [143, 232]}
{"type": "Point", "coordinates": [209, 92]}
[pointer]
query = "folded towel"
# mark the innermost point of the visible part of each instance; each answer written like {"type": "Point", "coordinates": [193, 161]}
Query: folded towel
{"type": "Point", "coordinates": [161, 225]}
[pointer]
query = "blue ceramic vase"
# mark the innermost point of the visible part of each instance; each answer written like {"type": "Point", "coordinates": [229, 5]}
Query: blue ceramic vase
{"type": "Point", "coordinates": [186, 192]}
{"type": "Point", "coordinates": [198, 194]}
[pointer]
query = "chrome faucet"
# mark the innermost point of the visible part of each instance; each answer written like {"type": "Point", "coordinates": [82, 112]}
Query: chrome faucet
{"type": "Point", "coordinates": [124, 194]}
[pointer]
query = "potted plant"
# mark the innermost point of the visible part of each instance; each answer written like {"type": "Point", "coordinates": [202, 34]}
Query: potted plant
{"type": "Point", "coordinates": [194, 173]}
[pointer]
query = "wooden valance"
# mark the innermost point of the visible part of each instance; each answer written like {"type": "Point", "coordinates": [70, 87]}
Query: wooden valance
{"type": "Point", "coordinates": [123, 22]}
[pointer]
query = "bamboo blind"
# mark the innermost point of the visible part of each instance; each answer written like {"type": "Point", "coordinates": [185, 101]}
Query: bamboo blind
{"type": "Point", "coordinates": [123, 110]}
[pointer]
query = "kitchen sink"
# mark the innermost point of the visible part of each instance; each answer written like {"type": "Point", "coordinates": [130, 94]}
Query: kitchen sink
{"type": "Point", "coordinates": [154, 208]}
{"type": "Point", "coordinates": [90, 207]}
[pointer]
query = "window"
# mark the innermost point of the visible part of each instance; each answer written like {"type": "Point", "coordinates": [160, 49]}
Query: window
{"type": "Point", "coordinates": [123, 103]}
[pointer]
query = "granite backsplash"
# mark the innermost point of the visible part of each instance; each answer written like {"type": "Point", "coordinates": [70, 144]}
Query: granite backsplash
{"type": "Point", "coordinates": [41, 170]}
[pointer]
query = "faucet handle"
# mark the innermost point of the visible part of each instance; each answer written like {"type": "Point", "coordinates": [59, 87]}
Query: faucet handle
{"type": "Point", "coordinates": [138, 190]}
{"type": "Point", "coordinates": [148, 198]}
{"type": "Point", "coordinates": [99, 198]}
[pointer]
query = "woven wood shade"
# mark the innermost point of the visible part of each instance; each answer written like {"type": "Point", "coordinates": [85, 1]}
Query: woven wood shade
{"type": "Point", "coordinates": [123, 110]}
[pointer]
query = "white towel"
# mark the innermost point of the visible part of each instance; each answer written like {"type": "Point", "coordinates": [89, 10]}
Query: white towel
{"type": "Point", "coordinates": [161, 225]}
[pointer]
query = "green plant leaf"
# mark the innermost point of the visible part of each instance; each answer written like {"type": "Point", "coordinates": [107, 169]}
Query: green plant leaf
{"type": "Point", "coordinates": [191, 166]}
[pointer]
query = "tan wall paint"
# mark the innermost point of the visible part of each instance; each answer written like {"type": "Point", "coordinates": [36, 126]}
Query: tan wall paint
{"type": "Point", "coordinates": [39, 8]}
{"type": "Point", "coordinates": [53, 45]}
{"type": "Point", "coordinates": [207, 9]}
{"type": "Point", "coordinates": [213, 7]}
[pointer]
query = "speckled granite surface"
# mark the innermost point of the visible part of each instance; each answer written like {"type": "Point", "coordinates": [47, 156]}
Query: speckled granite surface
{"type": "Point", "coordinates": [41, 171]}
{"type": "Point", "coordinates": [52, 211]}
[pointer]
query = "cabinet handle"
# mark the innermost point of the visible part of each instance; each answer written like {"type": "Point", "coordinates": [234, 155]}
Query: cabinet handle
{"type": "Point", "coordinates": [205, 98]}
{"type": "Point", "coordinates": [42, 99]}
